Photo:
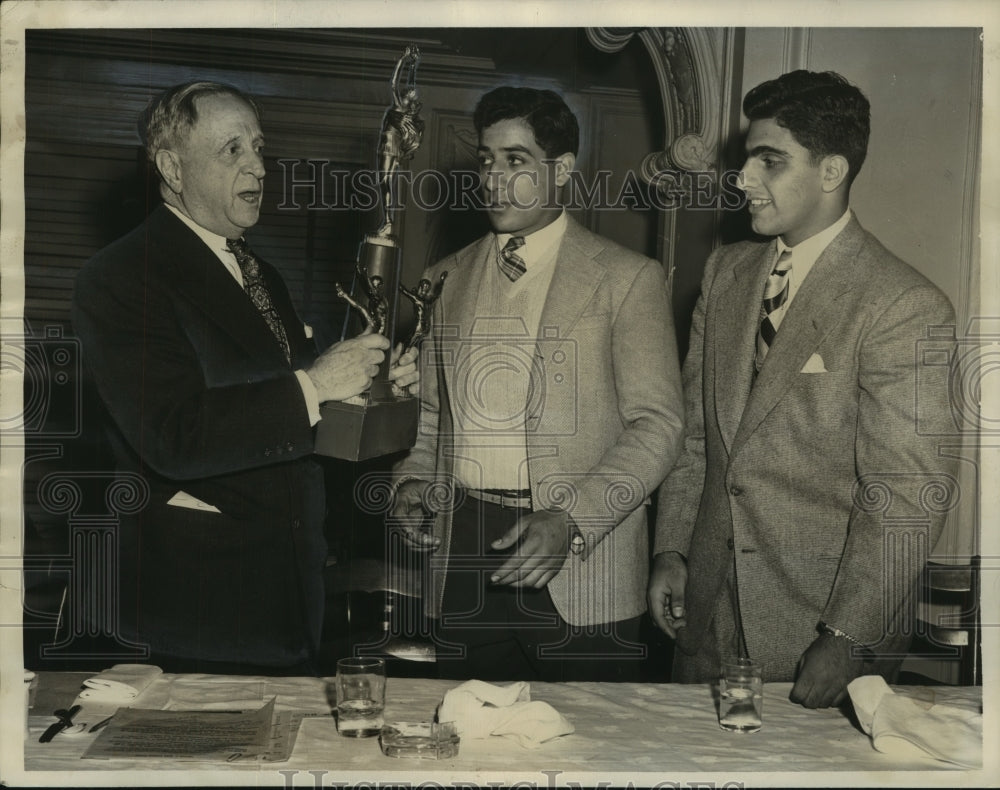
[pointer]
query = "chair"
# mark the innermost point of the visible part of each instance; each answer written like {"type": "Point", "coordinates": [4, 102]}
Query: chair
{"type": "Point", "coordinates": [947, 642]}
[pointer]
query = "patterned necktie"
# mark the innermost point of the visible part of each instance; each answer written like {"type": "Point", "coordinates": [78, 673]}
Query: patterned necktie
{"type": "Point", "coordinates": [253, 282]}
{"type": "Point", "coordinates": [775, 296]}
{"type": "Point", "coordinates": [510, 262]}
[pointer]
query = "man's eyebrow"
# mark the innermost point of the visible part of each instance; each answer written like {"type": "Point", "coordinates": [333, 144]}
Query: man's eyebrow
{"type": "Point", "coordinates": [507, 149]}
{"type": "Point", "coordinates": [766, 149]}
{"type": "Point", "coordinates": [257, 139]}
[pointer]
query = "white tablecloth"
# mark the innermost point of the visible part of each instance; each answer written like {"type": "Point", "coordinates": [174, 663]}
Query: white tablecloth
{"type": "Point", "coordinates": [655, 731]}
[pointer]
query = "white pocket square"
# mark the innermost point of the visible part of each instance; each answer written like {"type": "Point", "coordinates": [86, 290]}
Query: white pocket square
{"type": "Point", "coordinates": [814, 365]}
{"type": "Point", "coordinates": [184, 499]}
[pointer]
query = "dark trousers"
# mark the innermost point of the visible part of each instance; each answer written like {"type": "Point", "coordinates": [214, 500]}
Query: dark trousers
{"type": "Point", "coordinates": [498, 632]}
{"type": "Point", "coordinates": [196, 665]}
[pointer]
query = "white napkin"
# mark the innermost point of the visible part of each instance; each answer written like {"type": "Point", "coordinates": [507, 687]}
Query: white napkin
{"type": "Point", "coordinates": [113, 688]}
{"type": "Point", "coordinates": [122, 683]}
{"type": "Point", "coordinates": [900, 727]}
{"type": "Point", "coordinates": [480, 710]}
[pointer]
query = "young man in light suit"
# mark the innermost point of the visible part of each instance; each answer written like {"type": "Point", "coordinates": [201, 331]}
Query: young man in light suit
{"type": "Point", "coordinates": [802, 388]}
{"type": "Point", "coordinates": [552, 408]}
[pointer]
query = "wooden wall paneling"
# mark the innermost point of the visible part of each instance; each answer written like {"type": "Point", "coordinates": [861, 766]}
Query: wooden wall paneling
{"type": "Point", "coordinates": [620, 136]}
{"type": "Point", "coordinates": [76, 198]}
{"type": "Point", "coordinates": [450, 144]}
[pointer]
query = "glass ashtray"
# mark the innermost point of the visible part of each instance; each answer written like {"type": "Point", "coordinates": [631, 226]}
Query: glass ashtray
{"type": "Point", "coordinates": [424, 740]}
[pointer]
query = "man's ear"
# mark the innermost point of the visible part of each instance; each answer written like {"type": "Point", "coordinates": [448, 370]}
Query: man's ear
{"type": "Point", "coordinates": [834, 170]}
{"type": "Point", "coordinates": [563, 166]}
{"type": "Point", "coordinates": [169, 165]}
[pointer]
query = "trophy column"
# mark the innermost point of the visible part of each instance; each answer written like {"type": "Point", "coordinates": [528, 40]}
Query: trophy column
{"type": "Point", "coordinates": [380, 421]}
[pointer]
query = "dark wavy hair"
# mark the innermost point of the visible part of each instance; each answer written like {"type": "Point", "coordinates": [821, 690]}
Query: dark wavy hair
{"type": "Point", "coordinates": [556, 129]}
{"type": "Point", "coordinates": [172, 113]}
{"type": "Point", "coordinates": [824, 113]}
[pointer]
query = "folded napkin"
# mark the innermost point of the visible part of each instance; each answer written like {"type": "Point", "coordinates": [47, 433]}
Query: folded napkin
{"type": "Point", "coordinates": [122, 683]}
{"type": "Point", "coordinates": [902, 728]}
{"type": "Point", "coordinates": [113, 688]}
{"type": "Point", "coordinates": [480, 710]}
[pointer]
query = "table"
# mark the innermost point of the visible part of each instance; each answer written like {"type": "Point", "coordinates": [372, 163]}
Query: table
{"type": "Point", "coordinates": [659, 731]}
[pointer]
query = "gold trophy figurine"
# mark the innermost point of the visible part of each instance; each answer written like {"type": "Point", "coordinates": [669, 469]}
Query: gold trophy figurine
{"type": "Point", "coordinates": [402, 130]}
{"type": "Point", "coordinates": [380, 421]}
{"type": "Point", "coordinates": [423, 297]}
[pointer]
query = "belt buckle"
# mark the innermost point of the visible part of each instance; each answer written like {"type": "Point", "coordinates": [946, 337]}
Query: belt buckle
{"type": "Point", "coordinates": [514, 501]}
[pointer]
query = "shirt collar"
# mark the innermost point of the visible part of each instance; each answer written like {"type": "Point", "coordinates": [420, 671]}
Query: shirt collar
{"type": "Point", "coordinates": [539, 243]}
{"type": "Point", "coordinates": [216, 242]}
{"type": "Point", "coordinates": [811, 248]}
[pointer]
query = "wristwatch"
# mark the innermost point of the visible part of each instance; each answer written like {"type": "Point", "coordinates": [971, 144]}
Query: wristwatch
{"type": "Point", "coordinates": [864, 649]}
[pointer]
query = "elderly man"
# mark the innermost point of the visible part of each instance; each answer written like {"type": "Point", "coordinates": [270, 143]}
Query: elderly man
{"type": "Point", "coordinates": [213, 386]}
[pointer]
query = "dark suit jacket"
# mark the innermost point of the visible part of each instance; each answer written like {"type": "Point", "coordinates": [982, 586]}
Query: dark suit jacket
{"type": "Point", "coordinates": [202, 400]}
{"type": "Point", "coordinates": [816, 477]}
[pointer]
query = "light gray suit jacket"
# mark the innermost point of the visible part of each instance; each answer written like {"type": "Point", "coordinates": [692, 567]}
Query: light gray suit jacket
{"type": "Point", "coordinates": [606, 428]}
{"type": "Point", "coordinates": [816, 476]}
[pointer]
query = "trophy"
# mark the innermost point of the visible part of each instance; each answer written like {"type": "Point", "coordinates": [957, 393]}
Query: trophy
{"type": "Point", "coordinates": [383, 420]}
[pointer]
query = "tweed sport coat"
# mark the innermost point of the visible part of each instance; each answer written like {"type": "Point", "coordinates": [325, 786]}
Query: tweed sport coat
{"type": "Point", "coordinates": [201, 400]}
{"type": "Point", "coordinates": [606, 429]}
{"type": "Point", "coordinates": [807, 475]}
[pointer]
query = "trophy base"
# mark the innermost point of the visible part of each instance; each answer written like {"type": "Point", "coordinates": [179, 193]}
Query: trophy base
{"type": "Point", "coordinates": [357, 432]}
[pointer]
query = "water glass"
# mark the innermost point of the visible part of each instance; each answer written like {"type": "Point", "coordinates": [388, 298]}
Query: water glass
{"type": "Point", "coordinates": [360, 696]}
{"type": "Point", "coordinates": [741, 695]}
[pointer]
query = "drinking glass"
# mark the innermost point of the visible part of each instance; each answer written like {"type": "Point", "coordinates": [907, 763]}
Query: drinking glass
{"type": "Point", "coordinates": [360, 696]}
{"type": "Point", "coordinates": [741, 695]}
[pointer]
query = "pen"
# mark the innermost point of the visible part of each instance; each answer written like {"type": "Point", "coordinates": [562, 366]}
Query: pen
{"type": "Point", "coordinates": [100, 724]}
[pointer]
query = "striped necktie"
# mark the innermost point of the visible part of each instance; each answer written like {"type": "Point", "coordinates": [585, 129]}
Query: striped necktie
{"type": "Point", "coordinates": [775, 296]}
{"type": "Point", "coordinates": [253, 283]}
{"type": "Point", "coordinates": [510, 262]}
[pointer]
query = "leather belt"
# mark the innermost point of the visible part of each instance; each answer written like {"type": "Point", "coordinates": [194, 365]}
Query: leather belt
{"type": "Point", "coordinates": [505, 497]}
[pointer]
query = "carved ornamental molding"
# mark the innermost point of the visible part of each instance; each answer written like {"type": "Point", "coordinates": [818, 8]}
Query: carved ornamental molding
{"type": "Point", "coordinates": [690, 80]}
